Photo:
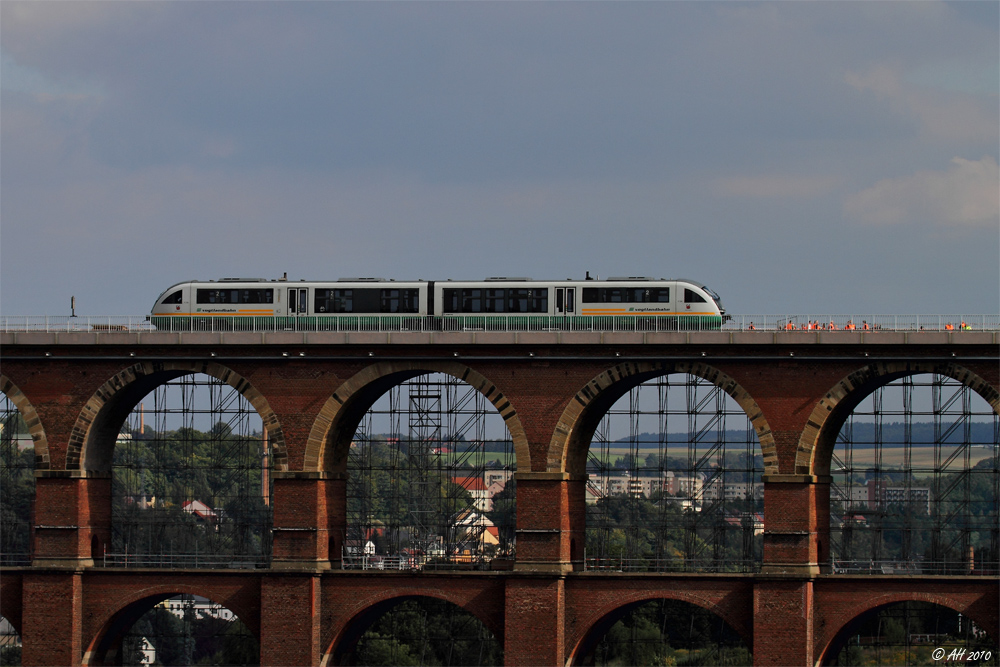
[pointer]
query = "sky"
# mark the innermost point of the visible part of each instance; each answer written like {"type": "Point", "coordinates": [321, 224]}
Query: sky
{"type": "Point", "coordinates": [821, 157]}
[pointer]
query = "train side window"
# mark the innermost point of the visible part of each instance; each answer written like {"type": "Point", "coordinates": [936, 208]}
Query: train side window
{"type": "Point", "coordinates": [450, 304]}
{"type": "Point", "coordinates": [213, 296]}
{"type": "Point", "coordinates": [175, 297]}
{"type": "Point", "coordinates": [333, 301]}
{"type": "Point", "coordinates": [590, 295]}
{"type": "Point", "coordinates": [660, 295]}
{"type": "Point", "coordinates": [496, 300]}
{"type": "Point", "coordinates": [472, 301]}
{"type": "Point", "coordinates": [257, 296]}
{"type": "Point", "coordinates": [517, 300]}
{"type": "Point", "coordinates": [343, 301]}
{"type": "Point", "coordinates": [399, 301]}
{"type": "Point", "coordinates": [367, 300]}
{"type": "Point", "coordinates": [389, 301]}
{"type": "Point", "coordinates": [409, 301]}
{"type": "Point", "coordinates": [321, 301]}
{"type": "Point", "coordinates": [692, 297]}
{"type": "Point", "coordinates": [540, 300]}
{"type": "Point", "coordinates": [614, 295]}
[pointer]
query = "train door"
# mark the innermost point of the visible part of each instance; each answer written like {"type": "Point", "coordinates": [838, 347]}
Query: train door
{"type": "Point", "coordinates": [298, 302]}
{"type": "Point", "coordinates": [565, 302]}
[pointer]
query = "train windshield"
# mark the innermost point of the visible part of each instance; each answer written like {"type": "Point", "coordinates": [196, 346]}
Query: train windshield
{"type": "Point", "coordinates": [715, 296]}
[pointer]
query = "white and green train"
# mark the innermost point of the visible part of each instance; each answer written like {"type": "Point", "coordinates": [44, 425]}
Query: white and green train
{"type": "Point", "coordinates": [515, 304]}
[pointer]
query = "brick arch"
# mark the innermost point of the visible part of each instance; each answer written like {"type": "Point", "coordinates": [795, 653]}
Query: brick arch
{"type": "Point", "coordinates": [601, 618]}
{"type": "Point", "coordinates": [567, 450]}
{"type": "Point", "coordinates": [819, 437]}
{"type": "Point", "coordinates": [827, 641]}
{"type": "Point", "coordinates": [32, 420]}
{"type": "Point", "coordinates": [326, 447]}
{"type": "Point", "coordinates": [118, 617]}
{"type": "Point", "coordinates": [110, 405]}
{"type": "Point", "coordinates": [372, 604]}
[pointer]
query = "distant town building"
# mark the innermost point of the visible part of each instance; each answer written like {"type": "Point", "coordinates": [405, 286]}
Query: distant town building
{"type": "Point", "coordinates": [200, 510]}
{"type": "Point", "coordinates": [877, 494]}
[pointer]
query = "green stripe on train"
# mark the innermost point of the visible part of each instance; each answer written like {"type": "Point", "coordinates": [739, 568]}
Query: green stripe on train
{"type": "Point", "coordinates": [446, 323]}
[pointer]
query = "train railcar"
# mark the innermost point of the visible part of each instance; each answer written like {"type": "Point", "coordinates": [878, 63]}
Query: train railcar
{"type": "Point", "coordinates": [501, 303]}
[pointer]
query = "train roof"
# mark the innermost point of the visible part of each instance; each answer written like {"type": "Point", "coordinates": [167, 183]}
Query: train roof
{"type": "Point", "coordinates": [511, 279]}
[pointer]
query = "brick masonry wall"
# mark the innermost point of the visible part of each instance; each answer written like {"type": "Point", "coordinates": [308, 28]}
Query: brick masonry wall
{"type": "Point", "coordinates": [595, 603]}
{"type": "Point", "coordinates": [839, 600]}
{"type": "Point", "coordinates": [542, 612]}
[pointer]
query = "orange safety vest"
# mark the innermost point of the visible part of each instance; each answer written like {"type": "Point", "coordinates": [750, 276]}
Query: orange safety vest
{"type": "Point", "coordinates": [850, 326]}
{"type": "Point", "coordinates": [789, 326]}
{"type": "Point", "coordinates": [864, 326]}
{"type": "Point", "coordinates": [833, 327]}
{"type": "Point", "coordinates": [949, 327]}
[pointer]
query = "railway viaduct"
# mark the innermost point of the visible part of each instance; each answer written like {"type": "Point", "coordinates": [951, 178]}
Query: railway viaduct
{"type": "Point", "coordinates": [311, 389]}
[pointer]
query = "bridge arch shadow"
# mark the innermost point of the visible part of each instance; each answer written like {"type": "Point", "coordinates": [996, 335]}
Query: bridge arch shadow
{"type": "Point", "coordinates": [878, 630]}
{"type": "Point", "coordinates": [652, 629]}
{"type": "Point", "coordinates": [819, 438]}
{"type": "Point", "coordinates": [92, 441]}
{"type": "Point", "coordinates": [338, 420]}
{"type": "Point", "coordinates": [415, 624]}
{"type": "Point", "coordinates": [567, 451]}
{"type": "Point", "coordinates": [181, 622]}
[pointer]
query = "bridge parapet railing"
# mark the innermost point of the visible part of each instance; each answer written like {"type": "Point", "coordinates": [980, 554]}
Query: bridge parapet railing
{"type": "Point", "coordinates": [864, 323]}
{"type": "Point", "coordinates": [670, 565]}
{"type": "Point", "coordinates": [185, 561]}
{"type": "Point", "coordinates": [912, 567]}
{"type": "Point", "coordinates": [747, 323]}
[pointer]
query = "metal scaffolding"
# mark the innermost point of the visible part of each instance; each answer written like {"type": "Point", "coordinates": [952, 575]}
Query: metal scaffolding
{"type": "Point", "coordinates": [675, 482]}
{"type": "Point", "coordinates": [916, 473]}
{"type": "Point", "coordinates": [190, 480]}
{"type": "Point", "coordinates": [430, 480]}
{"type": "Point", "coordinates": [17, 485]}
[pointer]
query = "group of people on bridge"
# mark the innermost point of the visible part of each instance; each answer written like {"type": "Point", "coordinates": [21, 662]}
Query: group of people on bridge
{"type": "Point", "coordinates": [816, 325]}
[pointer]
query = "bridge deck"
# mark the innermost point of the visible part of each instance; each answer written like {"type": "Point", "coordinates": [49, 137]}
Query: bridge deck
{"type": "Point", "coordinates": [492, 338]}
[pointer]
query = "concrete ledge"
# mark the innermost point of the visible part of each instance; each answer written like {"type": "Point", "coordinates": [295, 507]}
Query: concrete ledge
{"type": "Point", "coordinates": [62, 563]}
{"type": "Point", "coordinates": [884, 337]}
{"type": "Point", "coordinates": [201, 338]}
{"type": "Point", "coordinates": [841, 337]}
{"type": "Point", "coordinates": [796, 479]}
{"type": "Point", "coordinates": [792, 570]}
{"type": "Point", "coordinates": [72, 474]}
{"type": "Point", "coordinates": [972, 338]}
{"type": "Point", "coordinates": [666, 338]}
{"type": "Point", "coordinates": [299, 474]}
{"type": "Point", "coordinates": [537, 337]}
{"type": "Point", "coordinates": [714, 339]}
{"type": "Point", "coordinates": [547, 476]}
{"type": "Point", "coordinates": [544, 567]}
{"type": "Point", "coordinates": [580, 337]}
{"type": "Point", "coordinates": [300, 565]}
{"type": "Point", "coordinates": [486, 338]}
{"type": "Point", "coordinates": [622, 338]}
